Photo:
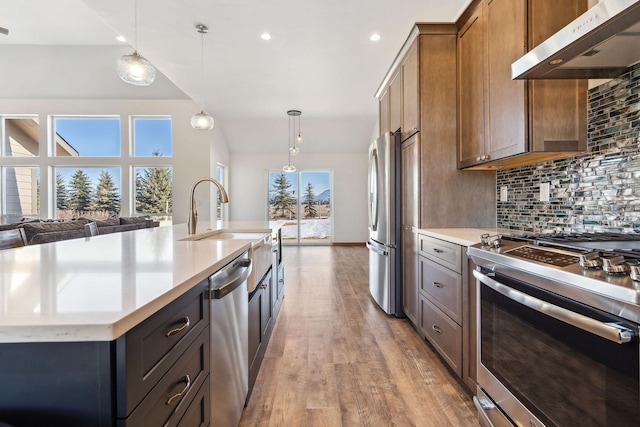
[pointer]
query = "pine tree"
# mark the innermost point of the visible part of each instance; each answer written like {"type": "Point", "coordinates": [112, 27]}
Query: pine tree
{"type": "Point", "coordinates": [308, 201]}
{"type": "Point", "coordinates": [62, 197]}
{"type": "Point", "coordinates": [106, 196]}
{"type": "Point", "coordinates": [281, 197]}
{"type": "Point", "coordinates": [154, 191]}
{"type": "Point", "coordinates": [80, 193]}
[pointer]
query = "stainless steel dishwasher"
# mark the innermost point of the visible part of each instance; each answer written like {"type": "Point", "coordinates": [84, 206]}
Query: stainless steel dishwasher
{"type": "Point", "coordinates": [229, 342]}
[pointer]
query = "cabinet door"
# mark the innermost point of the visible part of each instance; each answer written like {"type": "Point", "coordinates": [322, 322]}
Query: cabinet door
{"type": "Point", "coordinates": [410, 92]}
{"type": "Point", "coordinates": [411, 182]}
{"type": "Point", "coordinates": [410, 218]}
{"type": "Point", "coordinates": [255, 332]}
{"type": "Point", "coordinates": [558, 108]}
{"type": "Point", "coordinates": [265, 321]}
{"type": "Point", "coordinates": [384, 112]}
{"type": "Point", "coordinates": [410, 273]}
{"type": "Point", "coordinates": [395, 102]}
{"type": "Point", "coordinates": [471, 78]}
{"type": "Point", "coordinates": [506, 107]}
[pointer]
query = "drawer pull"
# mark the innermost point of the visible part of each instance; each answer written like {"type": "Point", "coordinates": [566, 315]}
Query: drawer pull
{"type": "Point", "coordinates": [437, 285]}
{"type": "Point", "coordinates": [438, 251]}
{"type": "Point", "coordinates": [437, 329]}
{"type": "Point", "coordinates": [187, 380]}
{"type": "Point", "coordinates": [185, 325]}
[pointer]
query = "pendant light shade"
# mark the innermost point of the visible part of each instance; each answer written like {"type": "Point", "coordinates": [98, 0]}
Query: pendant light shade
{"type": "Point", "coordinates": [135, 69]}
{"type": "Point", "coordinates": [202, 120]}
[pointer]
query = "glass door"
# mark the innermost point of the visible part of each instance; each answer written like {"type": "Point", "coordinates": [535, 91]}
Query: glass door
{"type": "Point", "coordinates": [301, 203]}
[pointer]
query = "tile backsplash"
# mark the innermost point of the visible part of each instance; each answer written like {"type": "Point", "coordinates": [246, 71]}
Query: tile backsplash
{"type": "Point", "coordinates": [599, 189]}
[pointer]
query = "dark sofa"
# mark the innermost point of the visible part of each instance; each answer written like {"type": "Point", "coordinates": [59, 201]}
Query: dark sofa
{"type": "Point", "coordinates": [54, 231]}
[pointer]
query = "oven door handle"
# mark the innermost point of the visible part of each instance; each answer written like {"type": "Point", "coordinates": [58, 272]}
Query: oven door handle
{"type": "Point", "coordinates": [607, 331]}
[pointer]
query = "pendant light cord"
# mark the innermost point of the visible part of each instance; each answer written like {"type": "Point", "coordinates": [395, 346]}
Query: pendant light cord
{"type": "Point", "coordinates": [135, 25]}
{"type": "Point", "coordinates": [202, 65]}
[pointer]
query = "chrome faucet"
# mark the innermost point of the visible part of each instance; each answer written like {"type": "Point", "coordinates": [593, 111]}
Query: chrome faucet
{"type": "Point", "coordinates": [193, 212]}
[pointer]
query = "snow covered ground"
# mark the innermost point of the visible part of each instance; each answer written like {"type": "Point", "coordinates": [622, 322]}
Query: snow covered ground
{"type": "Point", "coordinates": [316, 229]}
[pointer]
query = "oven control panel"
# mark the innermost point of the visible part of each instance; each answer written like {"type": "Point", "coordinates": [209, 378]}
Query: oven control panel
{"type": "Point", "coordinates": [545, 256]}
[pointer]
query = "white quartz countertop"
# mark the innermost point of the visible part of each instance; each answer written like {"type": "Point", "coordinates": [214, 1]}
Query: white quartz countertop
{"type": "Point", "coordinates": [98, 288]}
{"type": "Point", "coordinates": [461, 236]}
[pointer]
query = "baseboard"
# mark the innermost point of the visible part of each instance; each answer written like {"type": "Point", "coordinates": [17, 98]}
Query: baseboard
{"type": "Point", "coordinates": [349, 244]}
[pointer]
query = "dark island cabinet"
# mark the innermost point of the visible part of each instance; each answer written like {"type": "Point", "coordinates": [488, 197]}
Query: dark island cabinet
{"type": "Point", "coordinates": [261, 322]}
{"type": "Point", "coordinates": [155, 374]}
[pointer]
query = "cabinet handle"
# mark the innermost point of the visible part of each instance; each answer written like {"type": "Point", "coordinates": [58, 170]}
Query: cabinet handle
{"type": "Point", "coordinates": [438, 251]}
{"type": "Point", "coordinates": [437, 329]}
{"type": "Point", "coordinates": [179, 329]}
{"type": "Point", "coordinates": [187, 380]}
{"type": "Point", "coordinates": [437, 285]}
{"type": "Point", "coordinates": [263, 286]}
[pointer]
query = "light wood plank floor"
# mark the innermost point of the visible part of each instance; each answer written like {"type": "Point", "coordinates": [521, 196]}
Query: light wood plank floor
{"type": "Point", "coordinates": [335, 359]}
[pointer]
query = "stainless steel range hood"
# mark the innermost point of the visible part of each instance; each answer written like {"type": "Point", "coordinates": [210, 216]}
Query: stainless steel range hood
{"type": "Point", "coordinates": [600, 43]}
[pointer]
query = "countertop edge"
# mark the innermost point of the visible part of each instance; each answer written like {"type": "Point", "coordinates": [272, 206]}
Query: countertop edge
{"type": "Point", "coordinates": [460, 236]}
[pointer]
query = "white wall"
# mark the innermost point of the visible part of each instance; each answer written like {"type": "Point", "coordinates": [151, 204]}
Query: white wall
{"type": "Point", "coordinates": [248, 188]}
{"type": "Point", "coordinates": [195, 153]}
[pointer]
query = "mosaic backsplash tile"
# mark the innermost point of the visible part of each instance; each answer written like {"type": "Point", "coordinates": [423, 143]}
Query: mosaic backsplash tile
{"type": "Point", "coordinates": [599, 189]}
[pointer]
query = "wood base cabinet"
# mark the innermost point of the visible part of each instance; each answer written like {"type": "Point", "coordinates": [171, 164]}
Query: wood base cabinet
{"type": "Point", "coordinates": [503, 122]}
{"type": "Point", "coordinates": [443, 290]}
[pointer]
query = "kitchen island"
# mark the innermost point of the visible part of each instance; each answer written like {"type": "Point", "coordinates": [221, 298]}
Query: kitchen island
{"type": "Point", "coordinates": [78, 317]}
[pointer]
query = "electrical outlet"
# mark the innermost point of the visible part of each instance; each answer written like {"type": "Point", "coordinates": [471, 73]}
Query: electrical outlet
{"type": "Point", "coordinates": [503, 193]}
{"type": "Point", "coordinates": [544, 191]}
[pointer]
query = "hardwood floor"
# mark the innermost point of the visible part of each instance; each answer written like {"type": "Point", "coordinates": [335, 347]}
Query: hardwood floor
{"type": "Point", "coordinates": [335, 359]}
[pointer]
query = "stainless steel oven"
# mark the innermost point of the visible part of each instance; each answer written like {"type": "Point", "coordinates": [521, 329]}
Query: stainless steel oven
{"type": "Point", "coordinates": [558, 344]}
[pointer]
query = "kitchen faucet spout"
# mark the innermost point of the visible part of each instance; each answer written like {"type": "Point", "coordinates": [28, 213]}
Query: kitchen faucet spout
{"type": "Point", "coordinates": [193, 212]}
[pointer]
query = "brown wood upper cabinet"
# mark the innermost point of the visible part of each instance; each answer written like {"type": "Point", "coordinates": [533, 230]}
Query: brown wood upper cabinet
{"type": "Point", "coordinates": [400, 99]}
{"type": "Point", "coordinates": [504, 122]}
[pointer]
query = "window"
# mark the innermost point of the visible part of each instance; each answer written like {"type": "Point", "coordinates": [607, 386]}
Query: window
{"type": "Point", "coordinates": [301, 203]}
{"type": "Point", "coordinates": [21, 137]}
{"type": "Point", "coordinates": [88, 192]}
{"type": "Point", "coordinates": [85, 168]}
{"type": "Point", "coordinates": [221, 176]}
{"type": "Point", "coordinates": [153, 192]}
{"type": "Point", "coordinates": [21, 189]}
{"type": "Point", "coordinates": [86, 136]}
{"type": "Point", "coordinates": [152, 137]}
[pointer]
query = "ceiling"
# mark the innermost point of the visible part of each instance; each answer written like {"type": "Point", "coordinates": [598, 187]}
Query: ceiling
{"type": "Point", "coordinates": [320, 59]}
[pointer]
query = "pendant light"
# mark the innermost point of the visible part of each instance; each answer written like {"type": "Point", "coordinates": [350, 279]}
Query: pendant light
{"type": "Point", "coordinates": [135, 69]}
{"type": "Point", "coordinates": [202, 120]}
{"type": "Point", "coordinates": [293, 150]}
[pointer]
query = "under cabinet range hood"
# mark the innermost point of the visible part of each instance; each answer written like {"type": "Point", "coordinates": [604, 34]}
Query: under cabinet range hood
{"type": "Point", "coordinates": [600, 43]}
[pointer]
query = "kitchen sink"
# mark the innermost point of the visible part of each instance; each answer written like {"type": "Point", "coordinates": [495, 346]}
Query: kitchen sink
{"type": "Point", "coordinates": [230, 234]}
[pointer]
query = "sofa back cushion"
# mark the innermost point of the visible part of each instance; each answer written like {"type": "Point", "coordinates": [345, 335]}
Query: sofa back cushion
{"type": "Point", "coordinates": [132, 219]}
{"type": "Point", "coordinates": [49, 227]}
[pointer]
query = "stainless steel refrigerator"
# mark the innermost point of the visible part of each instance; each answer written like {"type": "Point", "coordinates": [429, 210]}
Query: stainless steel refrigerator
{"type": "Point", "coordinates": [385, 268]}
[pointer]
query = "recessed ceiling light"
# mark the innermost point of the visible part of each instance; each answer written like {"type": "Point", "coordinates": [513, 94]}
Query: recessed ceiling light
{"type": "Point", "coordinates": [375, 37]}
{"type": "Point", "coordinates": [265, 36]}
{"type": "Point", "coordinates": [121, 39]}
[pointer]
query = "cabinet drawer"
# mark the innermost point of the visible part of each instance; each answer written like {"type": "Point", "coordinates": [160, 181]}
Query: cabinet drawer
{"type": "Point", "coordinates": [152, 347]}
{"type": "Point", "coordinates": [443, 333]}
{"type": "Point", "coordinates": [445, 253]}
{"type": "Point", "coordinates": [199, 412]}
{"type": "Point", "coordinates": [169, 400]}
{"type": "Point", "coordinates": [443, 287]}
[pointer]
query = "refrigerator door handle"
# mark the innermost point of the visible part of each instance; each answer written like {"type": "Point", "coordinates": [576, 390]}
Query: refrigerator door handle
{"type": "Point", "coordinates": [377, 250]}
{"type": "Point", "coordinates": [373, 190]}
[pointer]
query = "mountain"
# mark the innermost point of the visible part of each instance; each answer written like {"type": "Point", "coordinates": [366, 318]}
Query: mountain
{"type": "Point", "coordinates": [323, 197]}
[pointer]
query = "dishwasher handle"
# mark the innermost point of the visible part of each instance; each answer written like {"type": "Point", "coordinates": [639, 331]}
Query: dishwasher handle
{"type": "Point", "coordinates": [229, 279]}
